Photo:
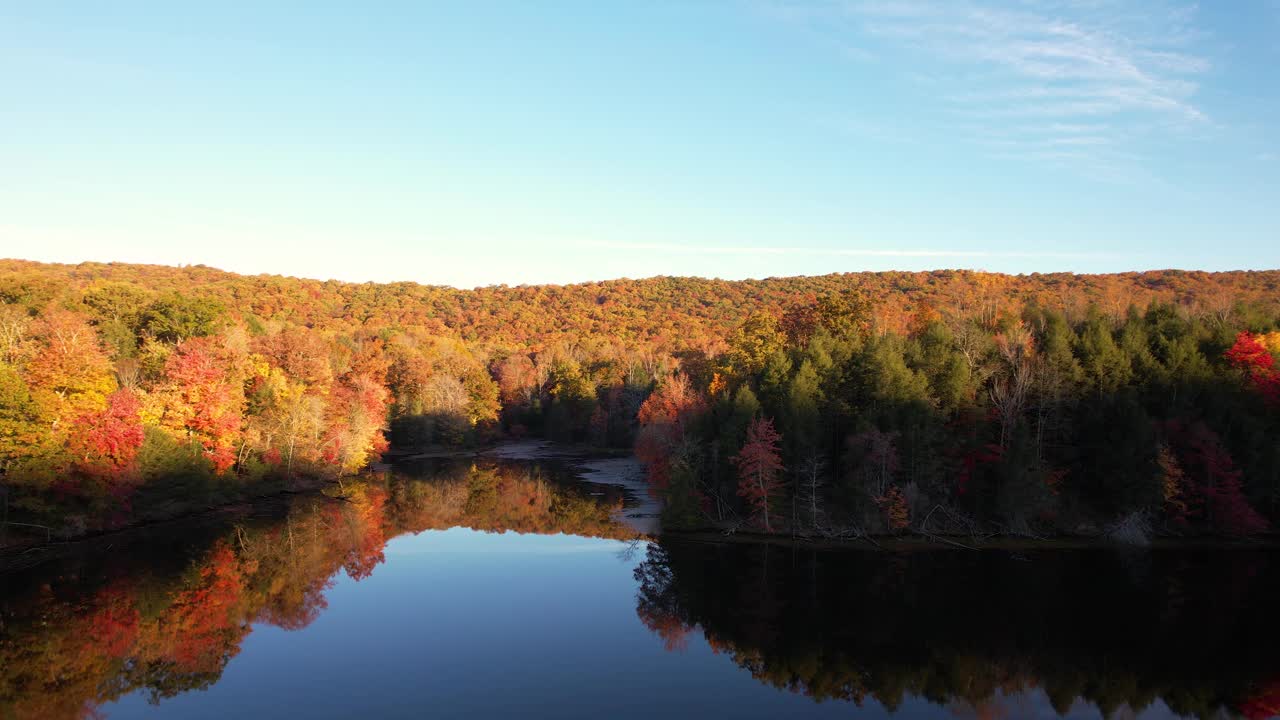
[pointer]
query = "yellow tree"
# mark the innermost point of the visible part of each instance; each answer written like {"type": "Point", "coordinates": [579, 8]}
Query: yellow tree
{"type": "Point", "coordinates": [20, 427]}
{"type": "Point", "coordinates": [756, 339]}
{"type": "Point", "coordinates": [69, 375]}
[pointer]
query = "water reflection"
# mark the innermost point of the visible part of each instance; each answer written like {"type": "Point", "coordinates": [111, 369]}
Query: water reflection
{"type": "Point", "coordinates": [166, 613]}
{"type": "Point", "coordinates": [721, 627]}
{"type": "Point", "coordinates": [1193, 632]}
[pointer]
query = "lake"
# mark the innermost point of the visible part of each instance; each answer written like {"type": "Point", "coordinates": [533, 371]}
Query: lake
{"type": "Point", "coordinates": [515, 588]}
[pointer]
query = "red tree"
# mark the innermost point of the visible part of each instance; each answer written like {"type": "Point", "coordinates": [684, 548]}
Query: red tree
{"type": "Point", "coordinates": [357, 416]}
{"type": "Point", "coordinates": [1264, 703]}
{"type": "Point", "coordinates": [209, 402]}
{"type": "Point", "coordinates": [1215, 482]}
{"type": "Point", "coordinates": [105, 444]}
{"type": "Point", "coordinates": [1251, 357]}
{"type": "Point", "coordinates": [759, 463]}
{"type": "Point", "coordinates": [664, 417]}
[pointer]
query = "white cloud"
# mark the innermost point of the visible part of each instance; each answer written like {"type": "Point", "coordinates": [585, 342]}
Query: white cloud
{"type": "Point", "coordinates": [1112, 60]}
{"type": "Point", "coordinates": [757, 250]}
{"type": "Point", "coordinates": [1036, 72]}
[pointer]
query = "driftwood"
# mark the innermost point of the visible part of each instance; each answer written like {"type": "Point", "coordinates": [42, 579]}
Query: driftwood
{"type": "Point", "coordinates": [954, 517]}
{"type": "Point", "coordinates": [852, 532]}
{"type": "Point", "coordinates": [47, 530]}
{"type": "Point", "coordinates": [949, 541]}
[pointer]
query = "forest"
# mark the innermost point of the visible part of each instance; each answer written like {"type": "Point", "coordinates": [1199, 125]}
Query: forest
{"type": "Point", "coordinates": [944, 404]}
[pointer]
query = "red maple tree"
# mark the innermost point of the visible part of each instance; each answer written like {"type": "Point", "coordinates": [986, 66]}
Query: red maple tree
{"type": "Point", "coordinates": [210, 403]}
{"type": "Point", "coordinates": [664, 418]}
{"type": "Point", "coordinates": [759, 463]}
{"type": "Point", "coordinates": [1251, 357]}
{"type": "Point", "coordinates": [1216, 487]}
{"type": "Point", "coordinates": [105, 445]}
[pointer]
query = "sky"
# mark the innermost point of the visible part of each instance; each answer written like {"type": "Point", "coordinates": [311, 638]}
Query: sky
{"type": "Point", "coordinates": [477, 143]}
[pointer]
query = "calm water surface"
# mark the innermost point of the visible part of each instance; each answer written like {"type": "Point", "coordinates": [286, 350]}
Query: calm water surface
{"type": "Point", "coordinates": [515, 590]}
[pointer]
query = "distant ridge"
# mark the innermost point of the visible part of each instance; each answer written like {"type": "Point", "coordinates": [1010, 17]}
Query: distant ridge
{"type": "Point", "coordinates": [666, 311]}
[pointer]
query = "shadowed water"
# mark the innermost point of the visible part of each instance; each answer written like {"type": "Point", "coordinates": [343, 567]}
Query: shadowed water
{"type": "Point", "coordinates": [505, 589]}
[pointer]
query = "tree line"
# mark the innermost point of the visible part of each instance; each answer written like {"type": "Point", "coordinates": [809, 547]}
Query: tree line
{"type": "Point", "coordinates": [944, 402]}
{"type": "Point", "coordinates": [1027, 422]}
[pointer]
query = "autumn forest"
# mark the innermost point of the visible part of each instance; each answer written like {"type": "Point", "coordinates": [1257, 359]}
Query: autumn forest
{"type": "Point", "coordinates": [947, 404]}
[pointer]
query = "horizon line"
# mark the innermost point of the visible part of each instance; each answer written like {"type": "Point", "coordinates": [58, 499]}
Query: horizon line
{"type": "Point", "coordinates": [766, 278]}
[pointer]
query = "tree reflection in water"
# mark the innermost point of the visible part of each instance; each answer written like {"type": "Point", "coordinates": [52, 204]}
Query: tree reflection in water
{"type": "Point", "coordinates": [166, 615]}
{"type": "Point", "coordinates": [1196, 629]}
{"type": "Point", "coordinates": [964, 630]}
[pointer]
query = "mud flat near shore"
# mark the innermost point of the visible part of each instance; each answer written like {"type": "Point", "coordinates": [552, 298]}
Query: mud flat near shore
{"type": "Point", "coordinates": [642, 511]}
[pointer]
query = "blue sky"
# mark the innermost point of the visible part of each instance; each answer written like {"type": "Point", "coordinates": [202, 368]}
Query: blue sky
{"type": "Point", "coordinates": [477, 142]}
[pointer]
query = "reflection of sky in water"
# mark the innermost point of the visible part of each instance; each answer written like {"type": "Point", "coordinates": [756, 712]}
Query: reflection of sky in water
{"type": "Point", "coordinates": [460, 623]}
{"type": "Point", "coordinates": [463, 540]}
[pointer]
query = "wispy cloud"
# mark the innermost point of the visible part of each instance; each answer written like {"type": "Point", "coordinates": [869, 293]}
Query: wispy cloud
{"type": "Point", "coordinates": [758, 250]}
{"type": "Point", "coordinates": [1039, 75]}
{"type": "Point", "coordinates": [1275, 24]}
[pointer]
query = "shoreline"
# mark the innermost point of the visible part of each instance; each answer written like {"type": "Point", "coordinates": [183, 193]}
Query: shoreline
{"type": "Point", "coordinates": [599, 466]}
{"type": "Point", "coordinates": [910, 542]}
{"type": "Point", "coordinates": [19, 556]}
{"type": "Point", "coordinates": [28, 551]}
